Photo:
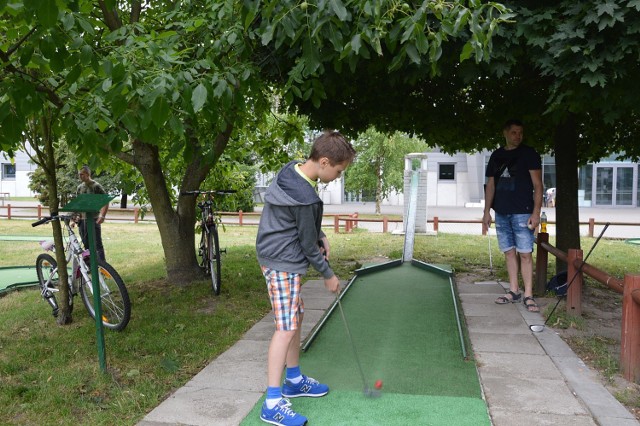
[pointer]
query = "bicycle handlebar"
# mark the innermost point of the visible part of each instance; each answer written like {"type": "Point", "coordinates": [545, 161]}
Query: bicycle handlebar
{"type": "Point", "coordinates": [50, 218]}
{"type": "Point", "coordinates": [43, 220]}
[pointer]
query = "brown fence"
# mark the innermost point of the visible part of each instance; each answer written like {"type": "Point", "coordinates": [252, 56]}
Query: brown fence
{"type": "Point", "coordinates": [340, 222]}
{"type": "Point", "coordinates": [629, 287]}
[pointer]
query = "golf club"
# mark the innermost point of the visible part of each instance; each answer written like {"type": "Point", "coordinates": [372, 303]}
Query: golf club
{"type": "Point", "coordinates": [368, 392]}
{"type": "Point", "coordinates": [537, 327]}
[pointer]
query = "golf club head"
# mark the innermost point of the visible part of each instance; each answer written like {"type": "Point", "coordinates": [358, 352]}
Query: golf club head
{"type": "Point", "coordinates": [371, 392]}
{"type": "Point", "coordinates": [537, 328]}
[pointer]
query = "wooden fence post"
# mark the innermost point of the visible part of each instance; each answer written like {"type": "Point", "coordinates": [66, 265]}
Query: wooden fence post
{"type": "Point", "coordinates": [435, 224]}
{"type": "Point", "coordinates": [385, 224]}
{"type": "Point", "coordinates": [630, 341]}
{"type": "Point", "coordinates": [39, 211]}
{"type": "Point", "coordinates": [136, 214]}
{"type": "Point", "coordinates": [8, 211]}
{"type": "Point", "coordinates": [240, 217]}
{"type": "Point", "coordinates": [574, 293]}
{"type": "Point", "coordinates": [542, 261]}
{"type": "Point", "coordinates": [336, 224]}
{"type": "Point", "coordinates": [592, 224]}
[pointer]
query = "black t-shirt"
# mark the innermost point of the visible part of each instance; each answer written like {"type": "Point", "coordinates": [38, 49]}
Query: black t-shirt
{"type": "Point", "coordinates": [510, 171]}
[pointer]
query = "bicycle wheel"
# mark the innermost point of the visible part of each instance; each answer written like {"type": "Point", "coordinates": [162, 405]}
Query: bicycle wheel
{"type": "Point", "coordinates": [116, 306]}
{"type": "Point", "coordinates": [214, 259]}
{"type": "Point", "coordinates": [203, 251]}
{"type": "Point", "coordinates": [47, 271]}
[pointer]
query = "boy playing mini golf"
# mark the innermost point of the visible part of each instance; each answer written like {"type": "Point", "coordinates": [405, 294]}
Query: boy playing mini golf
{"type": "Point", "coordinates": [288, 241]}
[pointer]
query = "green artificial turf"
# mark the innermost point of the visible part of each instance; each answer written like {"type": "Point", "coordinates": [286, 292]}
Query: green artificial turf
{"type": "Point", "coordinates": [17, 276]}
{"type": "Point", "coordinates": [403, 323]}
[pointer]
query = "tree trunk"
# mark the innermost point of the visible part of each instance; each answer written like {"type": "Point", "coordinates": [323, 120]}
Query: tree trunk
{"type": "Point", "coordinates": [177, 230]}
{"type": "Point", "coordinates": [567, 213]}
{"type": "Point", "coordinates": [48, 164]}
{"type": "Point", "coordinates": [123, 200]}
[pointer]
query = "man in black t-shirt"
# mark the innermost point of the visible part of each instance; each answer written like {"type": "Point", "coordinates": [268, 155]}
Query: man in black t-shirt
{"type": "Point", "coordinates": [514, 190]}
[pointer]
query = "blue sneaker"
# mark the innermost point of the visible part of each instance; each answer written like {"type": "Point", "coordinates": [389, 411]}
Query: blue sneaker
{"type": "Point", "coordinates": [282, 414]}
{"type": "Point", "coordinates": [306, 387]}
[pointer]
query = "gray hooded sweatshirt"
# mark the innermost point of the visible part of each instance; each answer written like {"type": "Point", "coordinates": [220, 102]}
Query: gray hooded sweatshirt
{"type": "Point", "coordinates": [290, 225]}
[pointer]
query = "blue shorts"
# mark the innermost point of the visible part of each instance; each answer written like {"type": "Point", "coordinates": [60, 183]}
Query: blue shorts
{"type": "Point", "coordinates": [513, 232]}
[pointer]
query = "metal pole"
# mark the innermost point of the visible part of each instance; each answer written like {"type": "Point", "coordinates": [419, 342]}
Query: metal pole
{"type": "Point", "coordinates": [97, 303]}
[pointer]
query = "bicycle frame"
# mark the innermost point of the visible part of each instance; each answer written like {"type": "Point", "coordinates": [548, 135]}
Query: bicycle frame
{"type": "Point", "coordinates": [209, 251]}
{"type": "Point", "coordinates": [73, 253]}
{"type": "Point", "coordinates": [114, 297]}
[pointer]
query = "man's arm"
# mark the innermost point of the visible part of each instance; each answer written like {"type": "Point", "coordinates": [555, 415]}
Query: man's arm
{"type": "Point", "coordinates": [489, 194]}
{"type": "Point", "coordinates": [536, 179]}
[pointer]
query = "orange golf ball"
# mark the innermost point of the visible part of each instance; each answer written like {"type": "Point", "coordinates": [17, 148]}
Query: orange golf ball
{"type": "Point", "coordinates": [378, 384]}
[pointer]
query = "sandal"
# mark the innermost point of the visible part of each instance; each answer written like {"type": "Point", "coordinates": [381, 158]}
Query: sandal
{"type": "Point", "coordinates": [531, 307]}
{"type": "Point", "coordinates": [503, 300]}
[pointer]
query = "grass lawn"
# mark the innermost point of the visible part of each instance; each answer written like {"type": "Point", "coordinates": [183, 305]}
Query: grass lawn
{"type": "Point", "coordinates": [49, 374]}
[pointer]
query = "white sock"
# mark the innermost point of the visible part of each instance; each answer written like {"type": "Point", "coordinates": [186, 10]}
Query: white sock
{"type": "Point", "coordinates": [295, 380]}
{"type": "Point", "coordinates": [272, 402]}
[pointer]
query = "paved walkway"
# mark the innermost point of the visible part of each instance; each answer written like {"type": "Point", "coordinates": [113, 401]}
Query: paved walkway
{"type": "Point", "coordinates": [527, 379]}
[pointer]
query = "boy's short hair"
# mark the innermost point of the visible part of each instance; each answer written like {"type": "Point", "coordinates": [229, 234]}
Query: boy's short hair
{"type": "Point", "coordinates": [334, 146]}
{"type": "Point", "coordinates": [85, 169]}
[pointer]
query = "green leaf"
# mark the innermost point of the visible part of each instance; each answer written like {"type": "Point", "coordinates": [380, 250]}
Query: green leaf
{"type": "Point", "coordinates": [47, 13]}
{"type": "Point", "coordinates": [160, 111]}
{"type": "Point", "coordinates": [413, 54]}
{"type": "Point", "coordinates": [199, 97]}
{"type": "Point", "coordinates": [339, 9]}
{"type": "Point", "coordinates": [86, 53]}
{"type": "Point", "coordinates": [356, 43]}
{"type": "Point", "coordinates": [466, 51]}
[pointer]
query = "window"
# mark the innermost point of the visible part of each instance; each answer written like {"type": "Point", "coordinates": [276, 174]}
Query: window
{"type": "Point", "coordinates": [446, 171]}
{"type": "Point", "coordinates": [8, 171]}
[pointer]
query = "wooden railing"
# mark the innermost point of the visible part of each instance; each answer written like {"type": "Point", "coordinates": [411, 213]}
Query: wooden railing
{"type": "Point", "coordinates": [629, 288]}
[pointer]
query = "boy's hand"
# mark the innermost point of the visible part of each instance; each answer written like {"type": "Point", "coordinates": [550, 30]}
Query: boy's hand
{"type": "Point", "coordinates": [332, 284]}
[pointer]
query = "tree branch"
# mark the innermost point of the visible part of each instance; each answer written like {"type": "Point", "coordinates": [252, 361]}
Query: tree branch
{"type": "Point", "coordinates": [111, 17]}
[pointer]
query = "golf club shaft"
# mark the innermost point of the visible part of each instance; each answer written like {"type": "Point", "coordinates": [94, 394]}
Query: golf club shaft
{"type": "Point", "coordinates": [353, 345]}
{"type": "Point", "coordinates": [579, 270]}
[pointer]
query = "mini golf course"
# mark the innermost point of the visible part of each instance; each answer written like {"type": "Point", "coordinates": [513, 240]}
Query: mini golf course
{"type": "Point", "coordinates": [404, 322]}
{"type": "Point", "coordinates": [14, 277]}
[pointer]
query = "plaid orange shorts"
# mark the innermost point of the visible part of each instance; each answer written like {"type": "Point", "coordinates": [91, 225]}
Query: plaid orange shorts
{"type": "Point", "coordinates": [284, 293]}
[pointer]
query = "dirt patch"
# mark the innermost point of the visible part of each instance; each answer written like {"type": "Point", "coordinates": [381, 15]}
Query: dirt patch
{"type": "Point", "coordinates": [595, 338]}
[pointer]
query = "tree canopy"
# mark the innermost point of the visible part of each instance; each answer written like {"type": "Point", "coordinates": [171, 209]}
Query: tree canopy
{"type": "Point", "coordinates": [167, 87]}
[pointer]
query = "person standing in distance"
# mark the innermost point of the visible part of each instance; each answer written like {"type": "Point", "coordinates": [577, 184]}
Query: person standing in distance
{"type": "Point", "coordinates": [90, 186]}
{"type": "Point", "coordinates": [290, 239]}
{"type": "Point", "coordinates": [515, 191]}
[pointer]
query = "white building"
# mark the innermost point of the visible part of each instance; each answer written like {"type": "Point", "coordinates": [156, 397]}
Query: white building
{"type": "Point", "coordinates": [14, 174]}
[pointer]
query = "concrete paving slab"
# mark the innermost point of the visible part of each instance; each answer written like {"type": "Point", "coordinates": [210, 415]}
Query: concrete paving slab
{"type": "Point", "coordinates": [262, 330]}
{"type": "Point", "coordinates": [509, 365]}
{"type": "Point", "coordinates": [553, 344]}
{"type": "Point", "coordinates": [492, 288]}
{"type": "Point", "coordinates": [586, 385]}
{"type": "Point", "coordinates": [501, 417]}
{"type": "Point", "coordinates": [531, 396]}
{"type": "Point", "coordinates": [505, 343]}
{"type": "Point", "coordinates": [203, 407]}
{"type": "Point", "coordinates": [494, 324]}
{"type": "Point", "coordinates": [485, 299]}
{"type": "Point", "coordinates": [490, 310]}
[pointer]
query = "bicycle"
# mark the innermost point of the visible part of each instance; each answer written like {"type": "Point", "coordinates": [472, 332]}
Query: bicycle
{"type": "Point", "coordinates": [209, 252]}
{"type": "Point", "coordinates": [115, 302]}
